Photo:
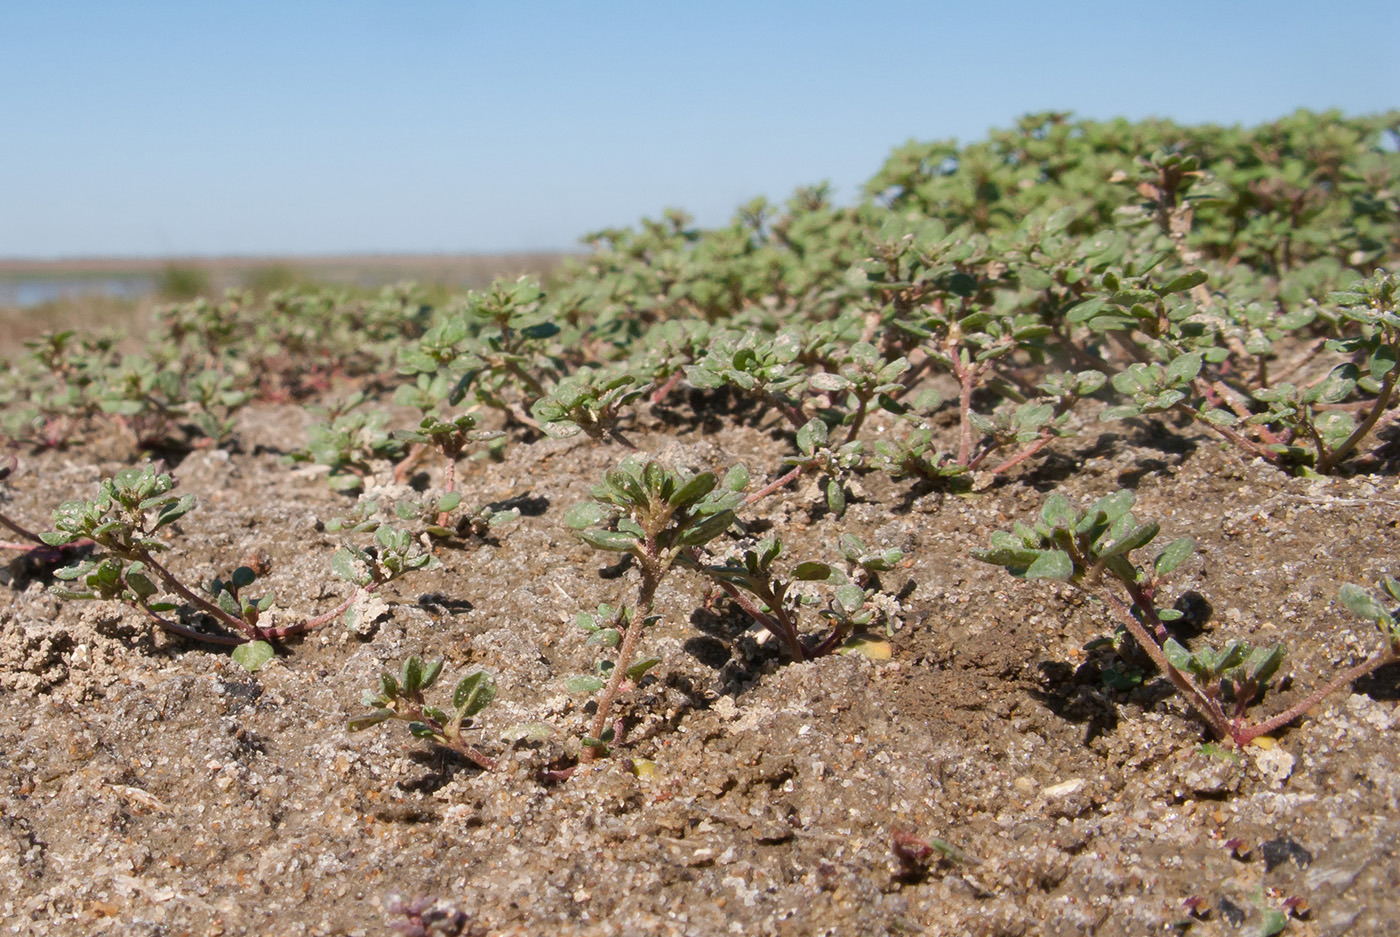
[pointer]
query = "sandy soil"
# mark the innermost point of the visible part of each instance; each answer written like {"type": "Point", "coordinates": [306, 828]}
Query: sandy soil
{"type": "Point", "coordinates": [151, 786]}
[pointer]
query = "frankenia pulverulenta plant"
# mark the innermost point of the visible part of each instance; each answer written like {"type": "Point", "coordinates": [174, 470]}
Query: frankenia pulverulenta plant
{"type": "Point", "coordinates": [449, 438]}
{"type": "Point", "coordinates": [658, 516]}
{"type": "Point", "coordinates": [1092, 550]}
{"type": "Point", "coordinates": [437, 515]}
{"type": "Point", "coordinates": [124, 521]}
{"type": "Point", "coordinates": [492, 348]}
{"type": "Point", "coordinates": [52, 394]}
{"type": "Point", "coordinates": [774, 600]}
{"type": "Point", "coordinates": [590, 401]}
{"type": "Point", "coordinates": [763, 367]}
{"type": "Point", "coordinates": [352, 442]}
{"type": "Point", "coordinates": [403, 698]}
{"type": "Point", "coordinates": [1305, 424]}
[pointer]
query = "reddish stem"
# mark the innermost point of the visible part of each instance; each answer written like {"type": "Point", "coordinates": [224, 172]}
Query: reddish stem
{"type": "Point", "coordinates": [773, 486]}
{"type": "Point", "coordinates": [1243, 735]}
{"type": "Point", "coordinates": [665, 389]}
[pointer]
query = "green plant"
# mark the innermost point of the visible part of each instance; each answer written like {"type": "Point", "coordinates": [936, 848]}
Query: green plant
{"type": "Point", "coordinates": [590, 401]}
{"type": "Point", "coordinates": [1087, 548]}
{"type": "Point", "coordinates": [448, 438]}
{"type": "Point", "coordinates": [137, 503]}
{"type": "Point", "coordinates": [130, 508]}
{"type": "Point", "coordinates": [775, 602]}
{"type": "Point", "coordinates": [655, 515]}
{"type": "Point", "coordinates": [403, 699]}
{"type": "Point", "coordinates": [352, 444]}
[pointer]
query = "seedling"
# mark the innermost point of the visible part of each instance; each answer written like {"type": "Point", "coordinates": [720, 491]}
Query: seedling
{"type": "Point", "coordinates": [404, 699]}
{"type": "Point", "coordinates": [591, 401]}
{"type": "Point", "coordinates": [655, 515]}
{"type": "Point", "coordinates": [448, 438]}
{"type": "Point", "coordinates": [353, 444]}
{"type": "Point", "coordinates": [137, 503]}
{"type": "Point", "coordinates": [773, 601]}
{"type": "Point", "coordinates": [1086, 548]}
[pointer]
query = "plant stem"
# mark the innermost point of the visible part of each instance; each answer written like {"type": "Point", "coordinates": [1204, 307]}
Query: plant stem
{"type": "Point", "coordinates": [856, 423]}
{"type": "Point", "coordinates": [183, 631]}
{"type": "Point", "coordinates": [1329, 461]}
{"type": "Point", "coordinates": [1023, 455]}
{"type": "Point", "coordinates": [651, 578]}
{"type": "Point", "coordinates": [23, 532]}
{"type": "Point", "coordinates": [660, 393]}
{"type": "Point", "coordinates": [773, 486]}
{"type": "Point", "coordinates": [1239, 439]}
{"type": "Point", "coordinates": [776, 624]}
{"type": "Point", "coordinates": [1243, 735]}
{"type": "Point", "coordinates": [1208, 708]}
{"type": "Point", "coordinates": [474, 755]}
{"type": "Point", "coordinates": [179, 588]}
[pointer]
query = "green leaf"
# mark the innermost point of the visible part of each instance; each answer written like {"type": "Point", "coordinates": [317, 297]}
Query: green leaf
{"type": "Point", "coordinates": [1057, 511]}
{"type": "Point", "coordinates": [360, 723]}
{"type": "Point", "coordinates": [1176, 553]}
{"type": "Point", "coordinates": [736, 479]}
{"type": "Point", "coordinates": [1184, 368]}
{"type": "Point", "coordinates": [1264, 662]}
{"type": "Point", "coordinates": [1051, 564]}
{"type": "Point", "coordinates": [694, 490]}
{"type": "Point", "coordinates": [708, 529]}
{"type": "Point", "coordinates": [243, 576]}
{"type": "Point", "coordinates": [1177, 655]}
{"type": "Point", "coordinates": [139, 584]}
{"type": "Point", "coordinates": [835, 497]}
{"type": "Point", "coordinates": [254, 654]}
{"type": "Point", "coordinates": [1361, 603]}
{"type": "Point", "coordinates": [811, 436]}
{"type": "Point", "coordinates": [1113, 506]}
{"type": "Point", "coordinates": [473, 693]}
{"type": "Point", "coordinates": [1184, 282]}
{"type": "Point", "coordinates": [827, 382]}
{"type": "Point", "coordinates": [175, 511]}
{"type": "Point", "coordinates": [585, 514]}
{"type": "Point", "coordinates": [1137, 537]}
{"type": "Point", "coordinates": [1124, 412]}
{"type": "Point", "coordinates": [608, 540]}
{"type": "Point", "coordinates": [811, 572]}
{"type": "Point", "coordinates": [639, 669]}
{"type": "Point", "coordinates": [411, 675]}
{"type": "Point", "coordinates": [850, 598]}
{"type": "Point", "coordinates": [607, 637]}
{"type": "Point", "coordinates": [584, 683]}
{"type": "Point", "coordinates": [345, 565]}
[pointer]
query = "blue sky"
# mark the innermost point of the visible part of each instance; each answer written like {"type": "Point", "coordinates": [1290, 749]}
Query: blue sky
{"type": "Point", "coordinates": [307, 127]}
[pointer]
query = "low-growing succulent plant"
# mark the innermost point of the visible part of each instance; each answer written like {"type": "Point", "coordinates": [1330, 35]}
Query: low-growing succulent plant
{"type": "Point", "coordinates": [775, 600]}
{"type": "Point", "coordinates": [353, 443]}
{"type": "Point", "coordinates": [1085, 548]}
{"type": "Point", "coordinates": [134, 505]}
{"type": "Point", "coordinates": [656, 515]}
{"type": "Point", "coordinates": [590, 401]}
{"type": "Point", "coordinates": [402, 698]}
